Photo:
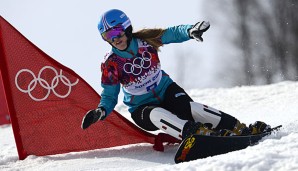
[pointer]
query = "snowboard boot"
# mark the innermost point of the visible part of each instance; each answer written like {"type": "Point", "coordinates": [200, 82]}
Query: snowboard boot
{"type": "Point", "coordinates": [191, 128]}
{"type": "Point", "coordinates": [259, 127]}
{"type": "Point", "coordinates": [239, 129]}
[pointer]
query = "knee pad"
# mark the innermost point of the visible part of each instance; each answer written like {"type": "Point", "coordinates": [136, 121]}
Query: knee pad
{"type": "Point", "coordinates": [205, 114]}
{"type": "Point", "coordinates": [167, 122]}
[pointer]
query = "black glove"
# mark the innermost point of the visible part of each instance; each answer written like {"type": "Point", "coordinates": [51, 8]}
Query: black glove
{"type": "Point", "coordinates": [93, 116]}
{"type": "Point", "coordinates": [198, 29]}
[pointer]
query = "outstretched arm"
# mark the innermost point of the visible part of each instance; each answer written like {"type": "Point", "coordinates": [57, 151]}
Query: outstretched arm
{"type": "Point", "coordinates": [181, 33]}
{"type": "Point", "coordinates": [176, 34]}
{"type": "Point", "coordinates": [109, 96]}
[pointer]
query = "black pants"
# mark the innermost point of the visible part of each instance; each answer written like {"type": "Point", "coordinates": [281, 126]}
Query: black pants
{"type": "Point", "coordinates": [176, 100]}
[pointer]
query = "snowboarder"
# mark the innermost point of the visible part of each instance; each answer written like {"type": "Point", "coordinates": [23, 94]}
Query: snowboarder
{"type": "Point", "coordinates": [155, 101]}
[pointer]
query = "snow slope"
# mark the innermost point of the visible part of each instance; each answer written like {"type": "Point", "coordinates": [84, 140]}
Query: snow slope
{"type": "Point", "coordinates": [275, 104]}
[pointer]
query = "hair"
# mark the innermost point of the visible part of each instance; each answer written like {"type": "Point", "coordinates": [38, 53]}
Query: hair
{"type": "Point", "coordinates": [151, 36]}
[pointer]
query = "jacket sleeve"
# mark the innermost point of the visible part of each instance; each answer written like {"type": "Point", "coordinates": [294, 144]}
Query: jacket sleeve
{"type": "Point", "coordinates": [176, 34]}
{"type": "Point", "coordinates": [109, 97]}
{"type": "Point", "coordinates": [110, 84]}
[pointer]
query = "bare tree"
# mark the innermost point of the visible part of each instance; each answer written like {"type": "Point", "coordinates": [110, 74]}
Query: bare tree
{"type": "Point", "coordinates": [267, 37]}
{"type": "Point", "coordinates": [244, 40]}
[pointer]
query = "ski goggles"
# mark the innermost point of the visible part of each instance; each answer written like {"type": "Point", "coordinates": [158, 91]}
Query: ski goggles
{"type": "Point", "coordinates": [113, 33]}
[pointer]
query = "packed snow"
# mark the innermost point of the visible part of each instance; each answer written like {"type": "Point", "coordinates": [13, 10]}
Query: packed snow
{"type": "Point", "coordinates": [275, 104]}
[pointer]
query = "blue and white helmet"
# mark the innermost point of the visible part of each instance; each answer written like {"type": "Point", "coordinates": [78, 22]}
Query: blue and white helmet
{"type": "Point", "coordinates": [112, 18]}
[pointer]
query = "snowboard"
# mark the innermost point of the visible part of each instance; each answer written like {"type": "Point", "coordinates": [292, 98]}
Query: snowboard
{"type": "Point", "coordinates": [201, 146]}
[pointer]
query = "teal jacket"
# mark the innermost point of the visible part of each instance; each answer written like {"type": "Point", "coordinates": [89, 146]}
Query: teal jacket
{"type": "Point", "coordinates": [111, 88]}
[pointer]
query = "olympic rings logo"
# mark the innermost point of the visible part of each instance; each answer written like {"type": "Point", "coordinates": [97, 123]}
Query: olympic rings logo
{"type": "Point", "coordinates": [138, 64]}
{"type": "Point", "coordinates": [44, 84]}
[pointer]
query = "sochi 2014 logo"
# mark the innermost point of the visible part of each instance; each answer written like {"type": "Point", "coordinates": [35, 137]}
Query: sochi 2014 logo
{"type": "Point", "coordinates": [48, 80]}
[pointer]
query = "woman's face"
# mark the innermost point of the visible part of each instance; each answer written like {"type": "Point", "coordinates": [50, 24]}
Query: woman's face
{"type": "Point", "coordinates": [120, 42]}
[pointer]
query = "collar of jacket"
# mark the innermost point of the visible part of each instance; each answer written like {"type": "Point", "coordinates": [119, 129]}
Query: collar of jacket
{"type": "Point", "coordinates": [131, 51]}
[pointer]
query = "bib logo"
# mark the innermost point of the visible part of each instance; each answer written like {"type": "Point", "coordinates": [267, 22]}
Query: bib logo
{"type": "Point", "coordinates": [48, 80]}
{"type": "Point", "coordinates": [138, 64]}
{"type": "Point", "coordinates": [189, 143]}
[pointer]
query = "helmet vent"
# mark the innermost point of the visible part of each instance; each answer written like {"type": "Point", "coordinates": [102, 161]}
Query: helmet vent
{"type": "Point", "coordinates": [113, 21]}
